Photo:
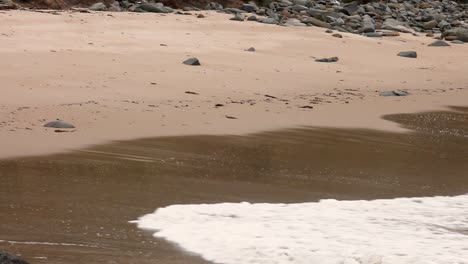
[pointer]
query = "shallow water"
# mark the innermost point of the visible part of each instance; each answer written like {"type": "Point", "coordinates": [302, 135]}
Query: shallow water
{"type": "Point", "coordinates": [75, 208]}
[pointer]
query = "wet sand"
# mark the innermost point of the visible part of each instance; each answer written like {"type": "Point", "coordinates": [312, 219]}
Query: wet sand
{"type": "Point", "coordinates": [75, 207]}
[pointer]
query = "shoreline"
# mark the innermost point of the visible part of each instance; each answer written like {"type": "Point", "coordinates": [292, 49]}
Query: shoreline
{"type": "Point", "coordinates": [87, 197]}
{"type": "Point", "coordinates": [118, 85]}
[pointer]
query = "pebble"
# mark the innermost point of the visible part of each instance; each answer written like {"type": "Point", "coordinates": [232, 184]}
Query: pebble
{"type": "Point", "coordinates": [331, 59]}
{"type": "Point", "coordinates": [192, 62]}
{"type": "Point", "coordinates": [408, 54]}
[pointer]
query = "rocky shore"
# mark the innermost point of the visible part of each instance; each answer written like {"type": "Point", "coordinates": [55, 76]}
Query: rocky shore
{"type": "Point", "coordinates": [440, 19]}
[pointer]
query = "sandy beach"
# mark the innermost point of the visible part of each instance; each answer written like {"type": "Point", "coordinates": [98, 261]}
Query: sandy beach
{"type": "Point", "coordinates": [119, 76]}
{"type": "Point", "coordinates": [272, 126]}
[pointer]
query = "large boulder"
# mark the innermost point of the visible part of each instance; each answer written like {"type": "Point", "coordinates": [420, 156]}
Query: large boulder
{"type": "Point", "coordinates": [367, 24]}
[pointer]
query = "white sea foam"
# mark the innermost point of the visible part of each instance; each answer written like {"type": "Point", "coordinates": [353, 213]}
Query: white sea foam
{"type": "Point", "coordinates": [404, 230]}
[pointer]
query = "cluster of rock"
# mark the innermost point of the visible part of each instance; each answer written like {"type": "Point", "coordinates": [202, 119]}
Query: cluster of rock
{"type": "Point", "coordinates": [373, 19]}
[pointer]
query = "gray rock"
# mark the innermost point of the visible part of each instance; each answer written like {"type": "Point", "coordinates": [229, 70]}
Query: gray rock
{"type": "Point", "coordinates": [316, 22]}
{"type": "Point", "coordinates": [301, 2]}
{"type": "Point", "coordinates": [238, 17]}
{"type": "Point", "coordinates": [457, 42]}
{"type": "Point", "coordinates": [293, 22]}
{"type": "Point", "coordinates": [331, 59]}
{"type": "Point", "coordinates": [214, 6]}
{"type": "Point", "coordinates": [408, 54]}
{"type": "Point", "coordinates": [155, 8]}
{"type": "Point", "coordinates": [6, 258]}
{"type": "Point", "coordinates": [373, 35]}
{"type": "Point", "coordinates": [394, 93]}
{"type": "Point", "coordinates": [268, 20]}
{"type": "Point", "coordinates": [271, 14]}
{"type": "Point", "coordinates": [439, 43]}
{"type": "Point", "coordinates": [367, 24]}
{"type": "Point", "coordinates": [395, 25]}
{"type": "Point", "coordinates": [430, 25]}
{"type": "Point", "coordinates": [231, 10]}
{"type": "Point", "coordinates": [351, 9]}
{"type": "Point", "coordinates": [251, 49]}
{"type": "Point", "coordinates": [460, 33]}
{"type": "Point", "coordinates": [251, 7]}
{"type": "Point", "coordinates": [444, 25]}
{"type": "Point", "coordinates": [252, 18]}
{"type": "Point", "coordinates": [115, 7]}
{"type": "Point", "coordinates": [192, 62]}
{"type": "Point", "coordinates": [299, 8]}
{"type": "Point", "coordinates": [98, 7]}
{"type": "Point", "coordinates": [59, 124]}
{"type": "Point", "coordinates": [286, 3]}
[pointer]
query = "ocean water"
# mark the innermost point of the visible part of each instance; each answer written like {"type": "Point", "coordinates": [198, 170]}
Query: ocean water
{"type": "Point", "coordinates": [425, 230]}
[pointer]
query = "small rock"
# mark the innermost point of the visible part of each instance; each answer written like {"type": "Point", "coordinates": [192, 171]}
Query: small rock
{"type": "Point", "coordinates": [59, 124]}
{"type": "Point", "coordinates": [394, 93]}
{"type": "Point", "coordinates": [251, 49]}
{"type": "Point", "coordinates": [408, 54]}
{"type": "Point", "coordinates": [331, 59]}
{"type": "Point", "coordinates": [190, 92]}
{"type": "Point", "coordinates": [329, 31]}
{"type": "Point", "coordinates": [200, 16]}
{"type": "Point", "coordinates": [230, 117]}
{"type": "Point", "coordinates": [337, 35]}
{"type": "Point", "coordinates": [192, 62]}
{"type": "Point", "coordinates": [439, 43]}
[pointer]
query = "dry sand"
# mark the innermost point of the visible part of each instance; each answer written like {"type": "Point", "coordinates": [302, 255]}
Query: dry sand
{"type": "Point", "coordinates": [108, 74]}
